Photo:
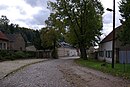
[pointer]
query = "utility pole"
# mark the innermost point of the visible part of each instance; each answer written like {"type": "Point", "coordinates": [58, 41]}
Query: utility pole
{"type": "Point", "coordinates": [113, 42]}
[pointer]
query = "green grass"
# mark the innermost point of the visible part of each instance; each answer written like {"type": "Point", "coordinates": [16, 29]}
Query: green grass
{"type": "Point", "coordinates": [118, 70]}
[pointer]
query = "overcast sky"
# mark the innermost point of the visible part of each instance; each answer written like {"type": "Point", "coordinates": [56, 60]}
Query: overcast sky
{"type": "Point", "coordinates": [33, 13]}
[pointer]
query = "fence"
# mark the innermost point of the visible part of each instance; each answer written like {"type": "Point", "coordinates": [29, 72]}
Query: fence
{"type": "Point", "coordinates": [124, 57]}
{"type": "Point", "coordinates": [13, 54]}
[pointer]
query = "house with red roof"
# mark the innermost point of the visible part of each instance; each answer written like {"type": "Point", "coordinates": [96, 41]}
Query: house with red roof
{"type": "Point", "coordinates": [12, 42]}
{"type": "Point", "coordinates": [3, 41]}
{"type": "Point", "coordinates": [122, 53]}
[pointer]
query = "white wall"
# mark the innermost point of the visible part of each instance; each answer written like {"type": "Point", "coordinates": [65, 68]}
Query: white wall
{"type": "Point", "coordinates": [73, 52]}
{"type": "Point", "coordinates": [104, 47]}
{"type": "Point", "coordinates": [62, 52]}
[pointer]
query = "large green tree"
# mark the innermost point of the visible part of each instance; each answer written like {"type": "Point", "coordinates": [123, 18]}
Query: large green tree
{"type": "Point", "coordinates": [82, 20]}
{"type": "Point", "coordinates": [124, 35]}
{"type": "Point", "coordinates": [52, 34]}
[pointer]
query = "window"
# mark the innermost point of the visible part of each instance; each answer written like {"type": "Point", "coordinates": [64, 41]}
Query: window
{"type": "Point", "coordinates": [4, 46]}
{"type": "Point", "coordinates": [21, 48]}
{"type": "Point", "coordinates": [109, 54]}
{"type": "Point", "coordinates": [0, 45]}
{"type": "Point", "coordinates": [101, 53]}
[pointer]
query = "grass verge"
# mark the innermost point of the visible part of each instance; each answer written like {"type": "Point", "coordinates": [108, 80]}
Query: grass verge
{"type": "Point", "coordinates": [121, 70]}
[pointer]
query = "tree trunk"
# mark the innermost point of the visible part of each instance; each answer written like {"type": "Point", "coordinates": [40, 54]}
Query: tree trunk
{"type": "Point", "coordinates": [54, 51]}
{"type": "Point", "coordinates": [83, 51]}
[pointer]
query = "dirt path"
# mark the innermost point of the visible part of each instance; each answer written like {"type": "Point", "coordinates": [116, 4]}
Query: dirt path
{"type": "Point", "coordinates": [61, 73]}
{"type": "Point", "coordinates": [85, 77]}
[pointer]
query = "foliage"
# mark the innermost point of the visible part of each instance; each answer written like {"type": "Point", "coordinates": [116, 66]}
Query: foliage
{"type": "Point", "coordinates": [80, 19]}
{"type": "Point", "coordinates": [12, 55]}
{"type": "Point", "coordinates": [30, 36]}
{"type": "Point", "coordinates": [49, 39]}
{"type": "Point", "coordinates": [6, 55]}
{"type": "Point", "coordinates": [48, 36]}
{"type": "Point", "coordinates": [52, 34]}
{"type": "Point", "coordinates": [19, 54]}
{"type": "Point", "coordinates": [4, 21]}
{"type": "Point", "coordinates": [37, 40]}
{"type": "Point", "coordinates": [119, 69]}
{"type": "Point", "coordinates": [124, 7]}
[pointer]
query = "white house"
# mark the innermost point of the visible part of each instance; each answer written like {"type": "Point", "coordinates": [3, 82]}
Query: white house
{"type": "Point", "coordinates": [31, 48]}
{"type": "Point", "coordinates": [105, 51]}
{"type": "Point", "coordinates": [121, 53]}
{"type": "Point", "coordinates": [66, 50]}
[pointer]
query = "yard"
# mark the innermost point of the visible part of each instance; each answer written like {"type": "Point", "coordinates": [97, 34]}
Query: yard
{"type": "Point", "coordinates": [121, 70]}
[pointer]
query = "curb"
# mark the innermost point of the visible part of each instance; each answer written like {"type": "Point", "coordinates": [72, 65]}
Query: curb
{"type": "Point", "coordinates": [21, 67]}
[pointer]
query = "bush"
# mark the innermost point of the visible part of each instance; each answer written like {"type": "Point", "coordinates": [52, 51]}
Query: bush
{"type": "Point", "coordinates": [19, 54]}
{"type": "Point", "coordinates": [6, 55]}
{"type": "Point", "coordinates": [12, 55]}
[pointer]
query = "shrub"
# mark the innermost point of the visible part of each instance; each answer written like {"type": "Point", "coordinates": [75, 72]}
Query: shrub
{"type": "Point", "coordinates": [19, 54]}
{"type": "Point", "coordinates": [12, 55]}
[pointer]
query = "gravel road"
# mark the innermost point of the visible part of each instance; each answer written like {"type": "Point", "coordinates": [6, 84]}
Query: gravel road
{"type": "Point", "coordinates": [61, 73]}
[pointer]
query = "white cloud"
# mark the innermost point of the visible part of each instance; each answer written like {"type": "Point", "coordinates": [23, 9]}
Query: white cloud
{"type": "Point", "coordinates": [108, 17]}
{"type": "Point", "coordinates": [22, 13]}
{"type": "Point", "coordinates": [33, 13]}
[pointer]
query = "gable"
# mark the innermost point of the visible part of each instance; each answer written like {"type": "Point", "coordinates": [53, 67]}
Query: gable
{"type": "Point", "coordinates": [109, 37]}
{"type": "Point", "coordinates": [3, 36]}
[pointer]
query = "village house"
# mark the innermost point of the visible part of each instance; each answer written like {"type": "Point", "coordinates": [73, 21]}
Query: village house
{"type": "Point", "coordinates": [31, 48]}
{"type": "Point", "coordinates": [122, 53]}
{"type": "Point", "coordinates": [3, 41]}
{"type": "Point", "coordinates": [65, 50]}
{"type": "Point", "coordinates": [92, 52]}
{"type": "Point", "coordinates": [16, 42]}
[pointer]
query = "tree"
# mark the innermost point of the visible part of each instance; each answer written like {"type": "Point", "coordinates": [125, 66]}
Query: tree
{"type": "Point", "coordinates": [52, 34]}
{"type": "Point", "coordinates": [37, 40]}
{"type": "Point", "coordinates": [124, 9]}
{"type": "Point", "coordinates": [4, 24]}
{"type": "Point", "coordinates": [4, 20]}
{"type": "Point", "coordinates": [49, 39]}
{"type": "Point", "coordinates": [82, 20]}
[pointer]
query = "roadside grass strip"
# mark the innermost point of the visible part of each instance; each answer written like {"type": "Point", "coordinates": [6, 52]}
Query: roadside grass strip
{"type": "Point", "coordinates": [120, 70]}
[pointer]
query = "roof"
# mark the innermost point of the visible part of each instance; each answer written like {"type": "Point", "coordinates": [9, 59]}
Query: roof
{"type": "Point", "coordinates": [12, 37]}
{"type": "Point", "coordinates": [3, 36]}
{"type": "Point", "coordinates": [65, 45]}
{"type": "Point", "coordinates": [31, 48]}
{"type": "Point", "coordinates": [109, 37]}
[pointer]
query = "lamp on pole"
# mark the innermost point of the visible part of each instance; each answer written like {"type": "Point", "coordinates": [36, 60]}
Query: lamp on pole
{"type": "Point", "coordinates": [113, 41]}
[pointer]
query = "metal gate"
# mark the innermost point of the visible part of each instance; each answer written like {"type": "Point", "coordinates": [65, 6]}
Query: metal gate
{"type": "Point", "coordinates": [124, 57]}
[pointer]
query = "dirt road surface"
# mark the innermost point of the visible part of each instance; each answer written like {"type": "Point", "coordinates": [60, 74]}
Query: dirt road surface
{"type": "Point", "coordinates": [61, 73]}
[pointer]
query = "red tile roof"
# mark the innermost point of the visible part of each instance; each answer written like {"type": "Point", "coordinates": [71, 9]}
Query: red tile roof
{"type": "Point", "coordinates": [3, 36]}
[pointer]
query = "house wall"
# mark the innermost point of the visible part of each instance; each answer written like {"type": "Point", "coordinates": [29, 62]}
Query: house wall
{"type": "Point", "coordinates": [31, 48]}
{"type": "Point", "coordinates": [3, 45]}
{"type": "Point", "coordinates": [64, 52]}
{"type": "Point", "coordinates": [61, 52]}
{"type": "Point", "coordinates": [123, 52]}
{"type": "Point", "coordinates": [18, 43]}
{"type": "Point", "coordinates": [104, 48]}
{"type": "Point", "coordinates": [73, 52]}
